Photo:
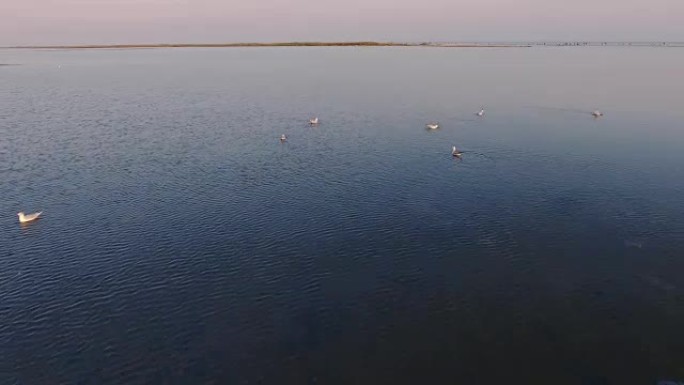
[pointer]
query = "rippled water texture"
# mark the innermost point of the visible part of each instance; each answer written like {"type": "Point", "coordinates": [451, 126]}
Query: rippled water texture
{"type": "Point", "coordinates": [182, 243]}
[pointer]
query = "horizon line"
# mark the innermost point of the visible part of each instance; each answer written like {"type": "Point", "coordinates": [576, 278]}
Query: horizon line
{"type": "Point", "coordinates": [456, 44]}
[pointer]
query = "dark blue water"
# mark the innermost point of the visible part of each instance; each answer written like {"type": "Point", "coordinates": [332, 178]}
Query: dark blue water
{"type": "Point", "coordinates": [182, 243]}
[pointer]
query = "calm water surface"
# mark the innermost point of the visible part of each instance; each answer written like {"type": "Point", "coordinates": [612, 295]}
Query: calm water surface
{"type": "Point", "coordinates": [182, 243]}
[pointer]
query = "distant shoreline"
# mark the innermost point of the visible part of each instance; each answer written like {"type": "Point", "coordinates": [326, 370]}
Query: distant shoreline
{"type": "Point", "coordinates": [257, 45]}
{"type": "Point", "coordinates": [355, 44]}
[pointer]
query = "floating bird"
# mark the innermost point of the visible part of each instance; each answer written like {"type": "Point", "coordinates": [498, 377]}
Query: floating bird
{"type": "Point", "coordinates": [480, 113]}
{"type": "Point", "coordinates": [432, 126]}
{"type": "Point", "coordinates": [313, 121]}
{"type": "Point", "coordinates": [455, 153]}
{"type": "Point", "coordinates": [597, 114]}
{"type": "Point", "coordinates": [23, 218]}
{"type": "Point", "coordinates": [283, 138]}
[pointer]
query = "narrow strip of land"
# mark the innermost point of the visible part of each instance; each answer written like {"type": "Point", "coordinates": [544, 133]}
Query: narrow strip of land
{"type": "Point", "coordinates": [247, 45]}
{"type": "Point", "coordinates": [356, 44]}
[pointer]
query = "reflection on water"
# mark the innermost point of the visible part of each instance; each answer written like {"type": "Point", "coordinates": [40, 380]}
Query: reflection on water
{"type": "Point", "coordinates": [185, 243]}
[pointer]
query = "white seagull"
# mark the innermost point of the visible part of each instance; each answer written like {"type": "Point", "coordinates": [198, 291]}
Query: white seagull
{"type": "Point", "coordinates": [313, 121]}
{"type": "Point", "coordinates": [597, 114]}
{"type": "Point", "coordinates": [283, 138]}
{"type": "Point", "coordinates": [480, 113]}
{"type": "Point", "coordinates": [23, 218]}
{"type": "Point", "coordinates": [432, 126]}
{"type": "Point", "coordinates": [455, 152]}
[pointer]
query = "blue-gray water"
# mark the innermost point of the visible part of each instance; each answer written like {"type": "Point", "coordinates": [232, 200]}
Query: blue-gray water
{"type": "Point", "coordinates": [182, 243]}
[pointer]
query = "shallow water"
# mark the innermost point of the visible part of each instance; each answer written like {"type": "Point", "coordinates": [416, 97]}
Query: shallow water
{"type": "Point", "coordinates": [182, 243]}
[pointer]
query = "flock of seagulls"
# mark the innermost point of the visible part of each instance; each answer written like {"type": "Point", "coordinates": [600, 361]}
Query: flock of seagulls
{"type": "Point", "coordinates": [435, 125]}
{"type": "Point", "coordinates": [456, 153]}
{"type": "Point", "coordinates": [312, 122]}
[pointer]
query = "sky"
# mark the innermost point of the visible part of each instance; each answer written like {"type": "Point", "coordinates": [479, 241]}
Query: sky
{"type": "Point", "coordinates": [44, 22]}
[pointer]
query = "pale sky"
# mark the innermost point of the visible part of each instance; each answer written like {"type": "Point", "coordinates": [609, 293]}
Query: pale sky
{"type": "Point", "coordinates": [30, 22]}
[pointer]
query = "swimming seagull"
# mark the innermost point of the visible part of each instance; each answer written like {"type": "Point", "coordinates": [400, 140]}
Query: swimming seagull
{"type": "Point", "coordinates": [432, 126]}
{"type": "Point", "coordinates": [313, 121]}
{"type": "Point", "coordinates": [480, 113]}
{"type": "Point", "coordinates": [597, 114]}
{"type": "Point", "coordinates": [283, 138]}
{"type": "Point", "coordinates": [455, 152]}
{"type": "Point", "coordinates": [23, 218]}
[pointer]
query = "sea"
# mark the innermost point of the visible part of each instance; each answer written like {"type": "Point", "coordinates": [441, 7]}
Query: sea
{"type": "Point", "coordinates": [181, 242]}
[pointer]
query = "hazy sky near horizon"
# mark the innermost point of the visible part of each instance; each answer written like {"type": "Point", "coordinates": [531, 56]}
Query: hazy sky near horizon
{"type": "Point", "coordinates": [25, 22]}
